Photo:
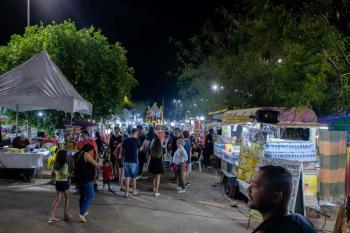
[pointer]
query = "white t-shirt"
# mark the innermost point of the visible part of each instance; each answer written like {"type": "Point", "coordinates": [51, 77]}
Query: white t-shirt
{"type": "Point", "coordinates": [180, 155]}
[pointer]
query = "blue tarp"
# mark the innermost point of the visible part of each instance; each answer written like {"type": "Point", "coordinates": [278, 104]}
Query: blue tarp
{"type": "Point", "coordinates": [331, 118]}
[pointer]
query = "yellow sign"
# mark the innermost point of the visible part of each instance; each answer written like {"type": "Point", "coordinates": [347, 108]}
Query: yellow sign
{"type": "Point", "coordinates": [310, 184]}
{"type": "Point", "coordinates": [247, 163]}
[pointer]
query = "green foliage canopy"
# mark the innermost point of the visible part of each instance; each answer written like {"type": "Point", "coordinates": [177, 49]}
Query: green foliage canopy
{"type": "Point", "coordinates": [97, 69]}
{"type": "Point", "coordinates": [271, 56]}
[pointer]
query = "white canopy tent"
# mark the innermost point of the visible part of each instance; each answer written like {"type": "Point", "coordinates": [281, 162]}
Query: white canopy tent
{"type": "Point", "coordinates": [38, 84]}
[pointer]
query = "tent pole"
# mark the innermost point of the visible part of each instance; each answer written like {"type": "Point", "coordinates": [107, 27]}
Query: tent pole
{"type": "Point", "coordinates": [17, 109]}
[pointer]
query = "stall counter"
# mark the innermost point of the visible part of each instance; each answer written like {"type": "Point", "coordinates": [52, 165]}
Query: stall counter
{"type": "Point", "coordinates": [10, 160]}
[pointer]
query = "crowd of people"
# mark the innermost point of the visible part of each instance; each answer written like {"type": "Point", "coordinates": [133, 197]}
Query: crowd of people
{"type": "Point", "coordinates": [126, 155]}
{"type": "Point", "coordinates": [123, 159]}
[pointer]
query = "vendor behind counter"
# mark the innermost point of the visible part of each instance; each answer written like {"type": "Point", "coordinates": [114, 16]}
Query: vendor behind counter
{"type": "Point", "coordinates": [20, 142]}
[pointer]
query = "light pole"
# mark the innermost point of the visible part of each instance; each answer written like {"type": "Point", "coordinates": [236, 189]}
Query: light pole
{"type": "Point", "coordinates": [195, 109]}
{"type": "Point", "coordinates": [28, 13]}
{"type": "Point", "coordinates": [176, 102]}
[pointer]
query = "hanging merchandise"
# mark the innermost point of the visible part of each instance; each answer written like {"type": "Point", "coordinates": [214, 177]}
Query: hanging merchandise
{"type": "Point", "coordinates": [332, 163]}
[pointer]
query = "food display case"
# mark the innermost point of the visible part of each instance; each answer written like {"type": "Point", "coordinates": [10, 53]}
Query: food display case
{"type": "Point", "coordinates": [250, 135]}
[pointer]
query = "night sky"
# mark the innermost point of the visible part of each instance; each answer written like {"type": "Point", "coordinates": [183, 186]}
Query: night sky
{"type": "Point", "coordinates": [142, 26]}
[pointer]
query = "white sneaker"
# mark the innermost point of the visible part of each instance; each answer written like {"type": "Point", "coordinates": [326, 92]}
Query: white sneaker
{"type": "Point", "coordinates": [82, 219]}
{"type": "Point", "coordinates": [157, 194]}
{"type": "Point", "coordinates": [181, 191]}
{"type": "Point", "coordinates": [178, 188]}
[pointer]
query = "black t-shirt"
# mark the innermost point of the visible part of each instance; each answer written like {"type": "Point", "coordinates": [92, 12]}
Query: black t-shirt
{"type": "Point", "coordinates": [99, 144]}
{"type": "Point", "coordinates": [174, 145]}
{"type": "Point", "coordinates": [113, 143]}
{"type": "Point", "coordinates": [209, 141]}
{"type": "Point", "coordinates": [130, 150]}
{"type": "Point", "coordinates": [142, 138]}
{"type": "Point", "coordinates": [293, 223]}
{"type": "Point", "coordinates": [84, 171]}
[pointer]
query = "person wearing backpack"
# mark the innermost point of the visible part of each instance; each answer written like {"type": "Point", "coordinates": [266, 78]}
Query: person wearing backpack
{"type": "Point", "coordinates": [156, 164]}
{"type": "Point", "coordinates": [60, 174]}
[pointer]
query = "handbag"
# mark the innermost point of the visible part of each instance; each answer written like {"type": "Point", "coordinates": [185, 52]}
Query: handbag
{"type": "Point", "coordinates": [173, 167]}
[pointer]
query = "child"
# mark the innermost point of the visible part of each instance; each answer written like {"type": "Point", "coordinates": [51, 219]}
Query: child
{"type": "Point", "coordinates": [107, 174]}
{"type": "Point", "coordinates": [60, 173]}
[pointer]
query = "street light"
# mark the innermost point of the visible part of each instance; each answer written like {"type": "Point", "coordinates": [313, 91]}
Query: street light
{"type": "Point", "coordinates": [279, 61]}
{"type": "Point", "coordinates": [217, 88]}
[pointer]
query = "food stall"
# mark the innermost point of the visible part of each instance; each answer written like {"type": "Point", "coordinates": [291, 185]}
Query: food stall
{"type": "Point", "coordinates": [36, 84]}
{"type": "Point", "coordinates": [249, 135]}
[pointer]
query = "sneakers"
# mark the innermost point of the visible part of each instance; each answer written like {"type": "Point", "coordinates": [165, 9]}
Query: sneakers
{"type": "Point", "coordinates": [157, 194]}
{"type": "Point", "coordinates": [83, 219]}
{"type": "Point", "coordinates": [181, 191]}
{"type": "Point", "coordinates": [178, 188]}
{"type": "Point", "coordinates": [187, 184]}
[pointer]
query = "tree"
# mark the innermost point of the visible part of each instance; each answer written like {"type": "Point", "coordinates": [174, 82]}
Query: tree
{"type": "Point", "coordinates": [98, 70]}
{"type": "Point", "coordinates": [278, 54]}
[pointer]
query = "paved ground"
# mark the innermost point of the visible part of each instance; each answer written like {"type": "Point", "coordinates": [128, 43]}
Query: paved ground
{"type": "Point", "coordinates": [204, 208]}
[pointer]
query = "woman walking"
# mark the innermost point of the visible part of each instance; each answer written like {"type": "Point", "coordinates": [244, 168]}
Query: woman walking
{"type": "Point", "coordinates": [85, 171]}
{"type": "Point", "coordinates": [180, 158]}
{"type": "Point", "coordinates": [156, 164]}
{"type": "Point", "coordinates": [60, 173]}
{"type": "Point", "coordinates": [119, 158]}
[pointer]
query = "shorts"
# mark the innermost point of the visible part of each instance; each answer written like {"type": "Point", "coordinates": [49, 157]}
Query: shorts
{"type": "Point", "coordinates": [130, 170]}
{"type": "Point", "coordinates": [62, 186]}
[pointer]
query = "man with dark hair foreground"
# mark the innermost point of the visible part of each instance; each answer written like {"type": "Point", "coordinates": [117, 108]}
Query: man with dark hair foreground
{"type": "Point", "coordinates": [269, 193]}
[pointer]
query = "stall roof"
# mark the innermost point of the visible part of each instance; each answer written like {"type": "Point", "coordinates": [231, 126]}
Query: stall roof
{"type": "Point", "coordinates": [285, 115]}
{"type": "Point", "coordinates": [334, 117]}
{"type": "Point", "coordinates": [39, 84]}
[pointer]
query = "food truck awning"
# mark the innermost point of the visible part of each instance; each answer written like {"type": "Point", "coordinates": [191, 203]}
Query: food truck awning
{"type": "Point", "coordinates": [284, 115]}
{"type": "Point", "coordinates": [299, 125]}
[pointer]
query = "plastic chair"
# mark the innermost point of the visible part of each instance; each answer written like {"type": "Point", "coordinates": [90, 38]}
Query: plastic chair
{"type": "Point", "coordinates": [199, 162]}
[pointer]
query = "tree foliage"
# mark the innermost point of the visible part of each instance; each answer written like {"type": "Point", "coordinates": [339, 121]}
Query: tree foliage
{"type": "Point", "coordinates": [279, 53]}
{"type": "Point", "coordinates": [97, 69]}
